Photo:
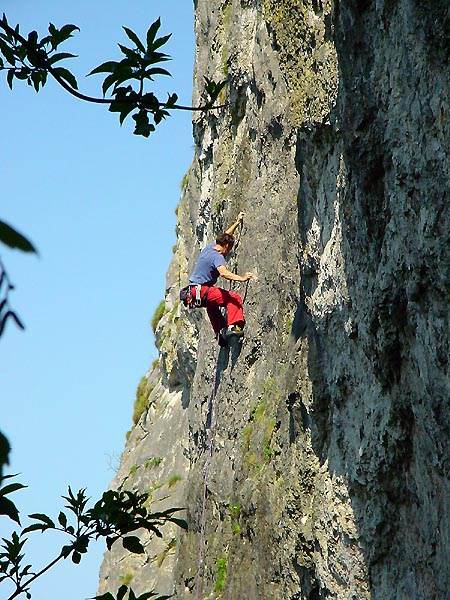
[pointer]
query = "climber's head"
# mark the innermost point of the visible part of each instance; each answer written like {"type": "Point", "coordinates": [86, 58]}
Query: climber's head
{"type": "Point", "coordinates": [225, 243]}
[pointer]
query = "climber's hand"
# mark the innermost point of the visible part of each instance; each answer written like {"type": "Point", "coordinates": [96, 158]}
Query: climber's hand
{"type": "Point", "coordinates": [247, 276]}
{"type": "Point", "coordinates": [240, 217]}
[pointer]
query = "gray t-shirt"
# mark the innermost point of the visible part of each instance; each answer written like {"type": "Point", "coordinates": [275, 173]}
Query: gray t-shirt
{"type": "Point", "coordinates": [205, 270]}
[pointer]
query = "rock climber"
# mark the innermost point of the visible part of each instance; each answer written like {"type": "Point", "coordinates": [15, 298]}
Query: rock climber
{"type": "Point", "coordinates": [202, 290]}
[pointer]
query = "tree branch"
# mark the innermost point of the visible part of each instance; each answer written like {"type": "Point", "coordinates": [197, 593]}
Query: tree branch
{"type": "Point", "coordinates": [24, 586]}
{"type": "Point", "coordinates": [19, 38]}
{"type": "Point", "coordinates": [197, 108]}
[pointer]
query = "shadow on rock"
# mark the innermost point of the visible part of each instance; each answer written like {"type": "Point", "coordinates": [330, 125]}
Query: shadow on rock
{"type": "Point", "coordinates": [223, 360]}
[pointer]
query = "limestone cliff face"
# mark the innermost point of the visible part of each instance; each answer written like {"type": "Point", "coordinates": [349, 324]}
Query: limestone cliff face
{"type": "Point", "coordinates": [323, 440]}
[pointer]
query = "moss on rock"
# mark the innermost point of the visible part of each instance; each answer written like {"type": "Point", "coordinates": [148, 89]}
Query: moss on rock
{"type": "Point", "coordinates": [141, 402]}
{"type": "Point", "coordinates": [158, 315]}
{"type": "Point", "coordinates": [221, 574]}
{"type": "Point", "coordinates": [307, 56]}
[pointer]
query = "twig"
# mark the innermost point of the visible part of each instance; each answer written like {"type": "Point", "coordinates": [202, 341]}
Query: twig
{"type": "Point", "coordinates": [23, 587]}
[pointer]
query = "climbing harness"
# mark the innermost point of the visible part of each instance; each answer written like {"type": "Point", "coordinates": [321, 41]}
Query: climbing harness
{"type": "Point", "coordinates": [196, 301]}
{"type": "Point", "coordinates": [192, 301]}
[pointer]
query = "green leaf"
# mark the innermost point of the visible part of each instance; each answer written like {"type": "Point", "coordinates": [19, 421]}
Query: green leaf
{"type": "Point", "coordinates": [12, 475]}
{"type": "Point", "coordinates": [126, 111]}
{"type": "Point", "coordinates": [124, 64]}
{"type": "Point", "coordinates": [52, 30]}
{"type": "Point", "coordinates": [121, 592]}
{"type": "Point", "coordinates": [10, 315]}
{"type": "Point", "coordinates": [12, 487]}
{"type": "Point", "coordinates": [22, 51]}
{"type": "Point", "coordinates": [109, 82]}
{"type": "Point", "coordinates": [130, 54]}
{"type": "Point", "coordinates": [13, 239]}
{"type": "Point", "coordinates": [180, 522]}
{"type": "Point", "coordinates": [62, 519]}
{"type": "Point", "coordinates": [44, 518]}
{"type": "Point", "coordinates": [155, 57]}
{"type": "Point", "coordinates": [23, 73]}
{"type": "Point", "coordinates": [33, 38]}
{"type": "Point", "coordinates": [25, 570]}
{"type": "Point", "coordinates": [143, 127]}
{"type": "Point", "coordinates": [66, 76]}
{"type": "Point", "coordinates": [208, 84]}
{"type": "Point", "coordinates": [124, 75]}
{"type": "Point", "coordinates": [34, 527]}
{"type": "Point", "coordinates": [159, 115]}
{"type": "Point", "coordinates": [133, 544]}
{"type": "Point", "coordinates": [171, 100]}
{"type": "Point", "coordinates": [7, 52]}
{"type": "Point", "coordinates": [9, 509]}
{"type": "Point", "coordinates": [157, 71]}
{"type": "Point", "coordinates": [4, 453]}
{"type": "Point", "coordinates": [110, 541]}
{"type": "Point", "coordinates": [134, 38]}
{"type": "Point", "coordinates": [65, 551]}
{"type": "Point", "coordinates": [36, 78]}
{"type": "Point", "coordinates": [66, 32]}
{"type": "Point", "coordinates": [13, 548]}
{"type": "Point", "coordinates": [60, 56]}
{"type": "Point", "coordinates": [81, 544]}
{"type": "Point", "coordinates": [151, 33]}
{"type": "Point", "coordinates": [106, 67]}
{"type": "Point", "coordinates": [45, 40]}
{"type": "Point", "coordinates": [150, 101]}
{"type": "Point", "coordinates": [161, 41]}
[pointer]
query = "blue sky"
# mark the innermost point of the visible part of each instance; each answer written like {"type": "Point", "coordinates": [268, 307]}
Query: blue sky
{"type": "Point", "coordinates": [99, 204]}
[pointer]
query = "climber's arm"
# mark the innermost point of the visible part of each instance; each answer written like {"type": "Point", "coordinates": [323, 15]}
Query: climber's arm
{"type": "Point", "coordinates": [232, 228]}
{"type": "Point", "coordinates": [226, 274]}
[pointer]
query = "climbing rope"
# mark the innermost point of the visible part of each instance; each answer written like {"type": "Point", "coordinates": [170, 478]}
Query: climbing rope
{"type": "Point", "coordinates": [236, 245]}
{"type": "Point", "coordinates": [246, 291]}
{"type": "Point", "coordinates": [198, 584]}
{"type": "Point", "coordinates": [238, 239]}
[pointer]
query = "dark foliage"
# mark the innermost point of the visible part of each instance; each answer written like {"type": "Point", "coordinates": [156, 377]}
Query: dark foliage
{"type": "Point", "coordinates": [114, 517]}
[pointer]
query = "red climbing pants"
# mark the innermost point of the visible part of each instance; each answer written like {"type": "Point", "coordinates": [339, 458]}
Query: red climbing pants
{"type": "Point", "coordinates": [215, 298]}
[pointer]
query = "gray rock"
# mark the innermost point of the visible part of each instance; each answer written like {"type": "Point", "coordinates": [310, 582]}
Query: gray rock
{"type": "Point", "coordinates": [323, 439]}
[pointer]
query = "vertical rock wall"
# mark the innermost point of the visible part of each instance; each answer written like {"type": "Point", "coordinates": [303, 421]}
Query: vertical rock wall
{"type": "Point", "coordinates": [328, 476]}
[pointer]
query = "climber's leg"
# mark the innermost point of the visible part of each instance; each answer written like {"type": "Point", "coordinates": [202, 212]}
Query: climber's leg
{"type": "Point", "coordinates": [214, 301]}
{"type": "Point", "coordinates": [235, 311]}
